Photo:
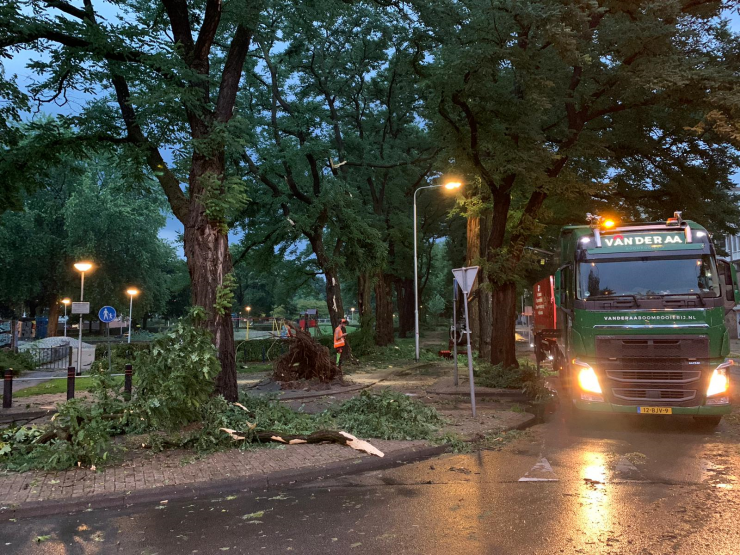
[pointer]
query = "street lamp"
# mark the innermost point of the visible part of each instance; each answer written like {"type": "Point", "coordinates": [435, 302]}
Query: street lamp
{"type": "Point", "coordinates": [81, 267]}
{"type": "Point", "coordinates": [450, 185]}
{"type": "Point", "coordinates": [131, 292]}
{"type": "Point", "coordinates": [353, 314]}
{"type": "Point", "coordinates": [65, 302]}
{"type": "Point", "coordinates": [248, 309]}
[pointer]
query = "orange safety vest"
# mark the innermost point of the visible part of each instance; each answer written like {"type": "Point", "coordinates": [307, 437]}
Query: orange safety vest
{"type": "Point", "coordinates": [338, 337]}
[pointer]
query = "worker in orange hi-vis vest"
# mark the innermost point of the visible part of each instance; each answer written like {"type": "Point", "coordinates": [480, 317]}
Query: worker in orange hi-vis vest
{"type": "Point", "coordinates": [339, 341]}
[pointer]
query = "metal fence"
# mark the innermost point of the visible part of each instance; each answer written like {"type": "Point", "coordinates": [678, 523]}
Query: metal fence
{"type": "Point", "coordinates": [51, 358]}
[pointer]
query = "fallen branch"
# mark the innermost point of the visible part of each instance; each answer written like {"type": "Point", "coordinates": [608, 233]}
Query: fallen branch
{"type": "Point", "coordinates": [306, 359]}
{"type": "Point", "coordinates": [321, 436]}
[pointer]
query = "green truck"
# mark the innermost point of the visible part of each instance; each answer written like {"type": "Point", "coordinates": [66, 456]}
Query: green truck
{"type": "Point", "coordinates": [634, 319]}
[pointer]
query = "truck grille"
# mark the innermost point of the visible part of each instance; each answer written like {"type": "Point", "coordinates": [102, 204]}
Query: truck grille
{"type": "Point", "coordinates": [652, 376]}
{"type": "Point", "coordinates": [659, 370]}
{"type": "Point", "coordinates": [651, 395]}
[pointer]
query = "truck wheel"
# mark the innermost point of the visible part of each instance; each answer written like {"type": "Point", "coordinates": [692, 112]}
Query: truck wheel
{"type": "Point", "coordinates": [709, 422]}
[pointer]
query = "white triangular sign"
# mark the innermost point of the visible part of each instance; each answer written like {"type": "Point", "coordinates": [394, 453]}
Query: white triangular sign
{"type": "Point", "coordinates": [466, 277]}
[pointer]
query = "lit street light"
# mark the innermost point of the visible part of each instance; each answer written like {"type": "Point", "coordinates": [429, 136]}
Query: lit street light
{"type": "Point", "coordinates": [131, 292]}
{"type": "Point", "coordinates": [449, 185]}
{"type": "Point", "coordinates": [65, 302]}
{"type": "Point", "coordinates": [353, 314]}
{"type": "Point", "coordinates": [248, 309]}
{"type": "Point", "coordinates": [81, 267]}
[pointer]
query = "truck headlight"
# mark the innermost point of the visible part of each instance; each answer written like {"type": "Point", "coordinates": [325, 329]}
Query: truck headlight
{"type": "Point", "coordinates": [587, 379]}
{"type": "Point", "coordinates": [720, 381]}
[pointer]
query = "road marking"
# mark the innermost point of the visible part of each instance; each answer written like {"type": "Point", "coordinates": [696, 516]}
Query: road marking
{"type": "Point", "coordinates": [540, 472]}
{"type": "Point", "coordinates": [625, 471]}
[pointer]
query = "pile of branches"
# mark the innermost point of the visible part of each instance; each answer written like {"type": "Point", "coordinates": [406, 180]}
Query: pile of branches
{"type": "Point", "coordinates": [305, 360]}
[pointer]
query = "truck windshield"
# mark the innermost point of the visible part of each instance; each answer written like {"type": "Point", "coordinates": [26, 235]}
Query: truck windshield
{"type": "Point", "coordinates": [649, 276]}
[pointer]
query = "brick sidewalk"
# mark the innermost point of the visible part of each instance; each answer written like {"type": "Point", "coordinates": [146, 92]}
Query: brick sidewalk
{"type": "Point", "coordinates": [165, 469]}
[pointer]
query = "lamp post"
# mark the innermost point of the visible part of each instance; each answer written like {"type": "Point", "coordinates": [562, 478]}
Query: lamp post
{"type": "Point", "coordinates": [65, 302]}
{"type": "Point", "coordinates": [353, 314]}
{"type": "Point", "coordinates": [248, 309]}
{"type": "Point", "coordinates": [449, 185]}
{"type": "Point", "coordinates": [81, 267]}
{"type": "Point", "coordinates": [131, 292]}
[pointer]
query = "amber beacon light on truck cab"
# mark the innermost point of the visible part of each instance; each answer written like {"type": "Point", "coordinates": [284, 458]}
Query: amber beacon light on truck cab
{"type": "Point", "coordinates": [634, 319]}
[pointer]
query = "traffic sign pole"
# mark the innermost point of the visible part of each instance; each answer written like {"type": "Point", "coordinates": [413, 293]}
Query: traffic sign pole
{"type": "Point", "coordinates": [106, 315]}
{"type": "Point", "coordinates": [454, 327]}
{"type": "Point", "coordinates": [465, 278]}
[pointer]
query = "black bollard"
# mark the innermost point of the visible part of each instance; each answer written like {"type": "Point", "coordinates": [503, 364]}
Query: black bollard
{"type": "Point", "coordinates": [70, 382]}
{"type": "Point", "coordinates": [8, 389]}
{"type": "Point", "coordinates": [127, 382]}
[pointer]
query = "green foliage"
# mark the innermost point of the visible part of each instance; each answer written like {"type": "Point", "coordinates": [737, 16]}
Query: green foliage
{"type": "Point", "coordinates": [175, 376]}
{"type": "Point", "coordinates": [223, 198]}
{"type": "Point", "coordinates": [225, 295]}
{"type": "Point", "coordinates": [84, 437]}
{"type": "Point", "coordinates": [18, 362]}
{"type": "Point", "coordinates": [85, 211]}
{"type": "Point", "coordinates": [489, 375]}
{"type": "Point", "coordinates": [524, 378]}
{"type": "Point", "coordinates": [387, 415]}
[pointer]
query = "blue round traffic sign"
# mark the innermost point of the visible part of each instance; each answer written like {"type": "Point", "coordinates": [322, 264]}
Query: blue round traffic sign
{"type": "Point", "coordinates": [107, 314]}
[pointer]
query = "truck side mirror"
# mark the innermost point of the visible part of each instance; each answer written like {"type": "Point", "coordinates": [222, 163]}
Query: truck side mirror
{"type": "Point", "coordinates": [729, 283]}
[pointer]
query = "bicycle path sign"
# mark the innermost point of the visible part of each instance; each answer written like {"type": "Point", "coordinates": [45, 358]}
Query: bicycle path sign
{"type": "Point", "coordinates": [107, 314]}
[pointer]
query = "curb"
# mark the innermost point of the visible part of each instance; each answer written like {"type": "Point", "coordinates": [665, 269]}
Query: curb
{"type": "Point", "coordinates": [276, 479]}
{"type": "Point", "coordinates": [174, 493]}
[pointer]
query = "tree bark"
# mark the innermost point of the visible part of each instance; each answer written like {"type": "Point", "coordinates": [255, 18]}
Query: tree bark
{"type": "Point", "coordinates": [209, 261]}
{"type": "Point", "coordinates": [484, 293]}
{"type": "Point", "coordinates": [405, 298]}
{"type": "Point", "coordinates": [503, 314]}
{"type": "Point", "coordinates": [364, 291]}
{"type": "Point", "coordinates": [383, 310]}
{"type": "Point", "coordinates": [473, 254]}
{"type": "Point", "coordinates": [503, 297]}
{"type": "Point", "coordinates": [334, 297]}
{"type": "Point", "coordinates": [51, 330]}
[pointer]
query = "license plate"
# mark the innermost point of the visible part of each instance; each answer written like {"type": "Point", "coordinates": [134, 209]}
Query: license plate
{"type": "Point", "coordinates": [654, 410]}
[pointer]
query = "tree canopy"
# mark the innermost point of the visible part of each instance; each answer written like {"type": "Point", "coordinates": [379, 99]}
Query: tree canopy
{"type": "Point", "coordinates": [305, 128]}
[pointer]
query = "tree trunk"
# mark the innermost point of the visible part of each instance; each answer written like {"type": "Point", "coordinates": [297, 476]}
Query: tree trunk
{"type": "Point", "coordinates": [51, 330]}
{"type": "Point", "coordinates": [473, 254]}
{"type": "Point", "coordinates": [405, 298]}
{"type": "Point", "coordinates": [209, 261]}
{"type": "Point", "coordinates": [503, 342]}
{"type": "Point", "coordinates": [333, 297]}
{"type": "Point", "coordinates": [503, 297]}
{"type": "Point", "coordinates": [383, 310]}
{"type": "Point", "coordinates": [484, 298]}
{"type": "Point", "coordinates": [364, 290]}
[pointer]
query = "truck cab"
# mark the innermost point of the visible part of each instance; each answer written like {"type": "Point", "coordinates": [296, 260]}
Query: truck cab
{"type": "Point", "coordinates": [638, 323]}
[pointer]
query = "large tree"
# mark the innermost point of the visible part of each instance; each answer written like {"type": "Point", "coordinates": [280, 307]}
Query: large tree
{"type": "Point", "coordinates": [634, 102]}
{"type": "Point", "coordinates": [88, 211]}
{"type": "Point", "coordinates": [163, 75]}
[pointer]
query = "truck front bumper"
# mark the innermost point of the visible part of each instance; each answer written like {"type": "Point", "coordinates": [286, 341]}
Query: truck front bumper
{"type": "Point", "coordinates": [704, 410]}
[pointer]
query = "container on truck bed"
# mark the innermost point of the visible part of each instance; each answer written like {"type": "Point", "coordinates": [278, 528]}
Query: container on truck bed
{"type": "Point", "coordinates": [639, 319]}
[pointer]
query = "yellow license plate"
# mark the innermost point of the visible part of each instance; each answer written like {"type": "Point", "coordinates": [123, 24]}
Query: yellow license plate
{"type": "Point", "coordinates": [654, 410]}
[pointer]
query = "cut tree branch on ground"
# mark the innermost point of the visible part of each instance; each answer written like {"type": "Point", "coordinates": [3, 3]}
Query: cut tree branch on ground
{"type": "Point", "coordinates": [321, 436]}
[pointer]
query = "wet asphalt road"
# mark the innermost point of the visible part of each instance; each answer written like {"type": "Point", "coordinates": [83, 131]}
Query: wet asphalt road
{"type": "Point", "coordinates": [639, 485]}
